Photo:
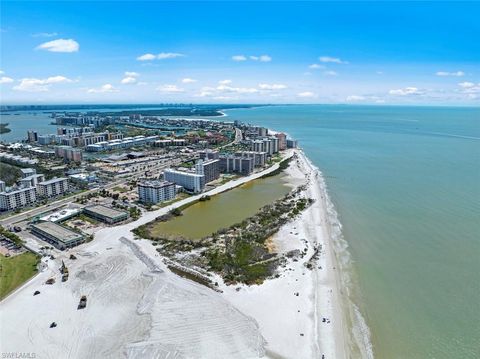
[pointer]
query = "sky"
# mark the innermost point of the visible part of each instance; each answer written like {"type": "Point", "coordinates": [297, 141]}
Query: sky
{"type": "Point", "coordinates": [420, 53]}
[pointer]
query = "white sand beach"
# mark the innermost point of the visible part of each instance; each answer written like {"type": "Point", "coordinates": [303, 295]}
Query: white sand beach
{"type": "Point", "coordinates": [137, 308]}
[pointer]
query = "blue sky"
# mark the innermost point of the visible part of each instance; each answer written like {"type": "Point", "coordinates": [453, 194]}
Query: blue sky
{"type": "Point", "coordinates": [251, 52]}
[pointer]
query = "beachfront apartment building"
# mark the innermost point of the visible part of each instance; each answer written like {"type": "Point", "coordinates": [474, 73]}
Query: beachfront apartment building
{"type": "Point", "coordinates": [156, 191]}
{"type": "Point", "coordinates": [236, 164]}
{"type": "Point", "coordinates": [53, 187]}
{"type": "Point", "coordinates": [259, 158]}
{"type": "Point", "coordinates": [17, 198]}
{"type": "Point", "coordinates": [282, 141]}
{"type": "Point", "coordinates": [209, 168]}
{"type": "Point", "coordinates": [191, 182]}
{"type": "Point", "coordinates": [292, 143]}
{"type": "Point", "coordinates": [268, 144]}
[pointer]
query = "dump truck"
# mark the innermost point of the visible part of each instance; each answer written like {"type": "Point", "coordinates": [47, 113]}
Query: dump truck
{"type": "Point", "coordinates": [83, 302]}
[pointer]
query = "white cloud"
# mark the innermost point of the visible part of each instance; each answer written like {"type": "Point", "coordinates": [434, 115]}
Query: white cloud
{"type": "Point", "coordinates": [445, 73]}
{"type": "Point", "coordinates": [261, 58]}
{"type": "Point", "coordinates": [107, 88]}
{"type": "Point", "coordinates": [160, 56]}
{"type": "Point", "coordinates": [129, 80]}
{"type": "Point", "coordinates": [272, 86]}
{"type": "Point", "coordinates": [2, 72]}
{"type": "Point", "coordinates": [406, 91]}
{"type": "Point", "coordinates": [130, 77]}
{"type": "Point", "coordinates": [330, 73]}
{"type": "Point", "coordinates": [334, 60]}
{"type": "Point", "coordinates": [306, 94]}
{"type": "Point", "coordinates": [146, 57]}
{"type": "Point", "coordinates": [239, 58]}
{"type": "Point", "coordinates": [188, 80]}
{"type": "Point", "coordinates": [169, 55]}
{"type": "Point", "coordinates": [353, 98]}
{"type": "Point", "coordinates": [60, 45]}
{"type": "Point", "coordinates": [469, 88]}
{"type": "Point", "coordinates": [225, 82]}
{"type": "Point", "coordinates": [45, 34]}
{"type": "Point", "coordinates": [316, 66]}
{"type": "Point", "coordinates": [379, 72]}
{"type": "Point", "coordinates": [170, 89]}
{"type": "Point", "coordinates": [40, 85]}
{"type": "Point", "coordinates": [6, 80]}
{"type": "Point", "coordinates": [241, 90]}
{"type": "Point", "coordinates": [466, 84]}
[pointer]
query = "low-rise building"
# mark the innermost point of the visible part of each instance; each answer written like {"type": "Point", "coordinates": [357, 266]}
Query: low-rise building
{"type": "Point", "coordinates": [106, 214]}
{"type": "Point", "coordinates": [155, 191]}
{"type": "Point", "coordinates": [191, 182]}
{"type": "Point", "coordinates": [53, 187]}
{"type": "Point", "coordinates": [61, 237]}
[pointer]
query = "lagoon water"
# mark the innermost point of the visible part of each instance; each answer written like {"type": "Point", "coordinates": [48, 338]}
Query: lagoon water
{"type": "Point", "coordinates": [406, 184]}
{"type": "Point", "coordinates": [221, 211]}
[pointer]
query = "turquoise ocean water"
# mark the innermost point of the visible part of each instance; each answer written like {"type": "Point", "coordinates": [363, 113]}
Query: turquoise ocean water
{"type": "Point", "coordinates": [405, 182]}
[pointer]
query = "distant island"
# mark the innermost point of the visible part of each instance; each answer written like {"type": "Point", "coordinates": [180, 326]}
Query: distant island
{"type": "Point", "coordinates": [4, 128]}
{"type": "Point", "coordinates": [126, 110]}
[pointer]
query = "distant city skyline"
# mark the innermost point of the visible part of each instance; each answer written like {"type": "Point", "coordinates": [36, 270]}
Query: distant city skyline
{"type": "Point", "coordinates": [419, 53]}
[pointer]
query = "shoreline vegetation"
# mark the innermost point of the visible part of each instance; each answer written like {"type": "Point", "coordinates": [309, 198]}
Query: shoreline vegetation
{"type": "Point", "coordinates": [239, 253]}
{"type": "Point", "coordinates": [4, 128]}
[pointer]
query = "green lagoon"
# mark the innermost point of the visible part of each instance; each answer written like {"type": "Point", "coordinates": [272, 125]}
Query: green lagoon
{"type": "Point", "coordinates": [221, 211]}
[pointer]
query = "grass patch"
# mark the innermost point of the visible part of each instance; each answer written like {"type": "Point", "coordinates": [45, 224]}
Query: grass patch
{"type": "Point", "coordinates": [120, 189]}
{"type": "Point", "coordinates": [14, 271]}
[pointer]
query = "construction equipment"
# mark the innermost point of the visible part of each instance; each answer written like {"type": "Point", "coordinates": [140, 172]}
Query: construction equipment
{"type": "Point", "coordinates": [64, 271]}
{"type": "Point", "coordinates": [83, 302]}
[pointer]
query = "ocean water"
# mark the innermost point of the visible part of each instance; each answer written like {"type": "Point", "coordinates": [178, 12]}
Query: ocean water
{"type": "Point", "coordinates": [405, 182]}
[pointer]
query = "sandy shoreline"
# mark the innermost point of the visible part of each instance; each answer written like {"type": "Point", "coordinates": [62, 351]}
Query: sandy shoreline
{"type": "Point", "coordinates": [138, 308]}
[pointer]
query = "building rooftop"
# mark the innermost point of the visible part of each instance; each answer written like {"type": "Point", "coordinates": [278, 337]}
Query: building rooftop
{"type": "Point", "coordinates": [61, 233]}
{"type": "Point", "coordinates": [60, 215]}
{"type": "Point", "coordinates": [105, 211]}
{"type": "Point", "coordinates": [53, 180]}
{"type": "Point", "coordinates": [155, 183]}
